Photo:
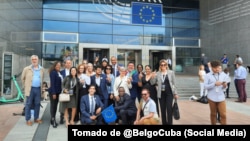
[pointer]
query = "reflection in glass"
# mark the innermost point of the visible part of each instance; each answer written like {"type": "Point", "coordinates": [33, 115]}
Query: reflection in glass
{"type": "Point", "coordinates": [186, 32]}
{"type": "Point", "coordinates": [95, 38]}
{"type": "Point", "coordinates": [99, 17]}
{"type": "Point", "coordinates": [187, 23]}
{"type": "Point", "coordinates": [129, 40]}
{"type": "Point", "coordinates": [60, 26]}
{"type": "Point", "coordinates": [60, 15]}
{"type": "Point", "coordinates": [57, 51]}
{"type": "Point", "coordinates": [60, 37]}
{"type": "Point", "coordinates": [95, 28]}
{"type": "Point", "coordinates": [128, 30]}
{"type": "Point", "coordinates": [59, 4]}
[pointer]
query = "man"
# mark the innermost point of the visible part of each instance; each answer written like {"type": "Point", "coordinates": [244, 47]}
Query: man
{"type": "Point", "coordinates": [238, 58]}
{"type": "Point", "coordinates": [132, 74]}
{"type": "Point", "coordinates": [91, 107]}
{"type": "Point", "coordinates": [115, 66]}
{"type": "Point", "coordinates": [64, 73]}
{"type": "Point", "coordinates": [32, 80]}
{"type": "Point", "coordinates": [125, 108]}
{"type": "Point", "coordinates": [147, 112]}
{"type": "Point", "coordinates": [204, 61]}
{"type": "Point", "coordinates": [224, 60]}
{"type": "Point", "coordinates": [240, 75]}
{"type": "Point", "coordinates": [215, 82]}
{"type": "Point", "coordinates": [99, 80]}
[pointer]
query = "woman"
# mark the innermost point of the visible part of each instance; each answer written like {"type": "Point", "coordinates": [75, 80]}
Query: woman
{"type": "Point", "coordinates": [122, 81]}
{"type": "Point", "coordinates": [90, 70]}
{"type": "Point", "coordinates": [166, 91]}
{"type": "Point", "coordinates": [71, 86]}
{"type": "Point", "coordinates": [110, 77]}
{"type": "Point", "coordinates": [145, 81]}
{"type": "Point", "coordinates": [202, 74]}
{"type": "Point", "coordinates": [83, 90]}
{"type": "Point", "coordinates": [54, 90]}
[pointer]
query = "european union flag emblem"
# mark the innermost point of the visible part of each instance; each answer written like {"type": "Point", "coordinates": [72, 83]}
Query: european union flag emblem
{"type": "Point", "coordinates": [109, 114]}
{"type": "Point", "coordinates": [146, 13]}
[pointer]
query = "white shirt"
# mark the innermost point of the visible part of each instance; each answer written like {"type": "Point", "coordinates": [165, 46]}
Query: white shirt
{"type": "Point", "coordinates": [90, 103]}
{"type": "Point", "coordinates": [169, 61]}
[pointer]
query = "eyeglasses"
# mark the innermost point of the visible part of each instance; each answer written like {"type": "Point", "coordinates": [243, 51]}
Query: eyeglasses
{"type": "Point", "coordinates": [144, 94]}
{"type": "Point", "coordinates": [163, 64]}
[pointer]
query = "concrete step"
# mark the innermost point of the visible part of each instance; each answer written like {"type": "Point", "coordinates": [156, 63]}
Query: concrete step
{"type": "Point", "coordinates": [188, 85]}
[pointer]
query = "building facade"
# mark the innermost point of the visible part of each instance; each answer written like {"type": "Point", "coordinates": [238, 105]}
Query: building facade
{"type": "Point", "coordinates": [139, 31]}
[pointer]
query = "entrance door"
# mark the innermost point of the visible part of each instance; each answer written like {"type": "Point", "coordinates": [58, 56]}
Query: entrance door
{"type": "Point", "coordinates": [126, 56]}
{"type": "Point", "coordinates": [157, 56]}
{"type": "Point", "coordinates": [91, 54]}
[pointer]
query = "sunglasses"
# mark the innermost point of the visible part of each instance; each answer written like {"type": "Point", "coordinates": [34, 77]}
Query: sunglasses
{"type": "Point", "coordinates": [163, 64]}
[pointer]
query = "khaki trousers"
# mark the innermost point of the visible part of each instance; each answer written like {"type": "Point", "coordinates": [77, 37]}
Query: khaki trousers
{"type": "Point", "coordinates": [217, 107]}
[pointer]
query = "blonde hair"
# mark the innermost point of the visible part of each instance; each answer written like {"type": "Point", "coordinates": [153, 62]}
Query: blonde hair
{"type": "Point", "coordinates": [163, 61]}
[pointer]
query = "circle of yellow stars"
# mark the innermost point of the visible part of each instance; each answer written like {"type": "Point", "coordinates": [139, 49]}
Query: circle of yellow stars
{"type": "Point", "coordinates": [109, 113]}
{"type": "Point", "coordinates": [152, 16]}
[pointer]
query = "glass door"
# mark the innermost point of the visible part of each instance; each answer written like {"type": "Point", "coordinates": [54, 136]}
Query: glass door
{"type": "Point", "coordinates": [126, 56]}
{"type": "Point", "coordinates": [91, 54]}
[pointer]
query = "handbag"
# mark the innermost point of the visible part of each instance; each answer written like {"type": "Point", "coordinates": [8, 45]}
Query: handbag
{"type": "Point", "coordinates": [203, 99]}
{"type": "Point", "coordinates": [176, 112]}
{"type": "Point", "coordinates": [64, 97]}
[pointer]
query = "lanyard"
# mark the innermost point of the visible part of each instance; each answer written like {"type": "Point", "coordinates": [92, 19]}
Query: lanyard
{"type": "Point", "coordinates": [163, 77]}
{"type": "Point", "coordinates": [218, 77]}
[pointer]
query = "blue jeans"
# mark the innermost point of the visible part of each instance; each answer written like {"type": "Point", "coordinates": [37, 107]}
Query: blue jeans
{"type": "Point", "coordinates": [33, 101]}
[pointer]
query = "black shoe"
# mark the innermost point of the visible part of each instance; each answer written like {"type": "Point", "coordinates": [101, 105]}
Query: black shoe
{"type": "Point", "coordinates": [61, 121]}
{"type": "Point", "coordinates": [54, 124]}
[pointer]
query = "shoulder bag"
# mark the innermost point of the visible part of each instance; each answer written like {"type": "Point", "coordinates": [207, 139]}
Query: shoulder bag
{"type": "Point", "coordinates": [176, 112]}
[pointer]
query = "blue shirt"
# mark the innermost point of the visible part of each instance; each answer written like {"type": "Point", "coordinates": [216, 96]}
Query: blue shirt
{"type": "Point", "coordinates": [36, 81]}
{"type": "Point", "coordinates": [225, 61]}
{"type": "Point", "coordinates": [215, 93]}
{"type": "Point", "coordinates": [240, 73]}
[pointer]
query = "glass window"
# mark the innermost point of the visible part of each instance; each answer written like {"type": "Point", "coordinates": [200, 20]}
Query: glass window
{"type": "Point", "coordinates": [187, 42]}
{"type": "Point", "coordinates": [95, 28]}
{"type": "Point", "coordinates": [121, 18]}
{"type": "Point", "coordinates": [61, 4]}
{"type": "Point", "coordinates": [149, 30]}
{"type": "Point", "coordinates": [56, 51]}
{"type": "Point", "coordinates": [186, 13]}
{"type": "Point", "coordinates": [99, 17]}
{"type": "Point", "coordinates": [60, 26]}
{"type": "Point", "coordinates": [89, 5]}
{"type": "Point", "coordinates": [186, 32]}
{"type": "Point", "coordinates": [95, 38]}
{"type": "Point", "coordinates": [60, 37]}
{"type": "Point", "coordinates": [128, 30]}
{"type": "Point", "coordinates": [186, 23]}
{"type": "Point", "coordinates": [157, 40]}
{"type": "Point", "coordinates": [129, 40]}
{"type": "Point", "coordinates": [60, 15]}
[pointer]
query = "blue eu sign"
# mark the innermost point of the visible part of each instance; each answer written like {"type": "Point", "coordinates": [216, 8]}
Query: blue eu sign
{"type": "Point", "coordinates": [146, 13]}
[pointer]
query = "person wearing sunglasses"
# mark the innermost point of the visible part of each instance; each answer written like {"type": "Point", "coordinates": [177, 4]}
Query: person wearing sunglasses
{"type": "Point", "coordinates": [146, 111]}
{"type": "Point", "coordinates": [166, 91]}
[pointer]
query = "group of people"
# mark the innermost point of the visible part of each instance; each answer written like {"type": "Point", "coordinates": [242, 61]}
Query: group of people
{"type": "Point", "coordinates": [139, 97]}
{"type": "Point", "coordinates": [215, 82]}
